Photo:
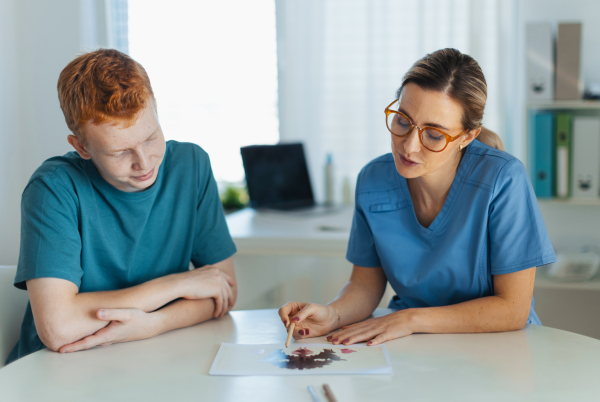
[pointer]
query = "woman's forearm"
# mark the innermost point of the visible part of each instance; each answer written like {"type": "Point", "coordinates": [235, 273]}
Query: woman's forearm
{"type": "Point", "coordinates": [361, 295]}
{"type": "Point", "coordinates": [487, 314]}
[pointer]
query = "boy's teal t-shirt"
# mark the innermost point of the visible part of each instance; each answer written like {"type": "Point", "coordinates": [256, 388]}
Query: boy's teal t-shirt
{"type": "Point", "coordinates": [76, 226]}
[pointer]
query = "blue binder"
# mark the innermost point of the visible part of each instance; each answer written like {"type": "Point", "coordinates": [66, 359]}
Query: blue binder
{"type": "Point", "coordinates": [541, 153]}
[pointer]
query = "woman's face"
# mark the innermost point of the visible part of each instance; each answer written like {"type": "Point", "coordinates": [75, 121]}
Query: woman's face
{"type": "Point", "coordinates": [435, 109]}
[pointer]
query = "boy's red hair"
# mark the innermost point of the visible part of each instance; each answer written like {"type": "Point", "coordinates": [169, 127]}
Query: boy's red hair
{"type": "Point", "coordinates": [103, 86]}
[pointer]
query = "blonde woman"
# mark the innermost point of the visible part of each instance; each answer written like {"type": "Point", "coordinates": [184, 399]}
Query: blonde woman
{"type": "Point", "coordinates": [448, 218]}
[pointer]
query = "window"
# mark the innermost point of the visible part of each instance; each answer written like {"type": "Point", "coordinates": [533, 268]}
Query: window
{"type": "Point", "coordinates": [213, 68]}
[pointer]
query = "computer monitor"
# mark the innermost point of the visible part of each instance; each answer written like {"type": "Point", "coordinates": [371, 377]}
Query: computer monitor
{"type": "Point", "coordinates": [277, 176]}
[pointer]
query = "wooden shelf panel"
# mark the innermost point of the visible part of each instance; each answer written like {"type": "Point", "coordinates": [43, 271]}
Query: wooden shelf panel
{"type": "Point", "coordinates": [568, 201]}
{"type": "Point", "coordinates": [574, 105]}
{"type": "Point", "coordinates": [544, 282]}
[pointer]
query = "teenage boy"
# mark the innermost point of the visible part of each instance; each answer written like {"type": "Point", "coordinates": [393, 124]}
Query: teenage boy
{"type": "Point", "coordinates": [108, 232]}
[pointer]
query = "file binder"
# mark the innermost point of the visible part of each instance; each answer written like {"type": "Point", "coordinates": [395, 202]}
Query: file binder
{"type": "Point", "coordinates": [540, 61]}
{"type": "Point", "coordinates": [586, 157]}
{"type": "Point", "coordinates": [541, 153]}
{"type": "Point", "coordinates": [568, 54]}
{"type": "Point", "coordinates": [563, 155]}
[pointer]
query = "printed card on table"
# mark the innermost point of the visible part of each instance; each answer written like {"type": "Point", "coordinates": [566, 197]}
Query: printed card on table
{"type": "Point", "coordinates": [300, 359]}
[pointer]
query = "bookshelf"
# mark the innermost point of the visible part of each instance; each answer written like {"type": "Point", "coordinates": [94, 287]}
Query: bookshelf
{"type": "Point", "coordinates": [564, 206]}
{"type": "Point", "coordinates": [579, 107]}
{"type": "Point", "coordinates": [571, 105]}
{"type": "Point", "coordinates": [542, 281]}
{"type": "Point", "coordinates": [569, 201]}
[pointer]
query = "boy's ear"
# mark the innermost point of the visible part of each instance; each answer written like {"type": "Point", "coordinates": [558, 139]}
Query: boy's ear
{"type": "Point", "coordinates": [79, 147]}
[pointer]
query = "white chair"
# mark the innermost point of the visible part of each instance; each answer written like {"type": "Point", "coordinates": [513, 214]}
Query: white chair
{"type": "Point", "coordinates": [13, 303]}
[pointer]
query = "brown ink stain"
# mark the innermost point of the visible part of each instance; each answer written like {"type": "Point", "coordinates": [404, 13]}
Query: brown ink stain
{"type": "Point", "coordinates": [302, 358]}
{"type": "Point", "coordinates": [346, 351]}
{"type": "Point", "coordinates": [302, 352]}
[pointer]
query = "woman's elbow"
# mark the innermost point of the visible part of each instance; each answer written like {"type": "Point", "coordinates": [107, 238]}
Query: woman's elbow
{"type": "Point", "coordinates": [518, 320]}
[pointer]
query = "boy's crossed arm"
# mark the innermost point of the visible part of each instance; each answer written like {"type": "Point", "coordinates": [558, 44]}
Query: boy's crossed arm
{"type": "Point", "coordinates": [67, 321]}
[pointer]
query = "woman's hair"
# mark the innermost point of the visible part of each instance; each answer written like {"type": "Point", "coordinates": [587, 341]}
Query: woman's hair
{"type": "Point", "coordinates": [103, 86]}
{"type": "Point", "coordinates": [460, 77]}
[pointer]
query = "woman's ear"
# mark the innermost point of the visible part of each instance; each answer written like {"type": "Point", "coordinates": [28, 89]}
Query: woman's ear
{"type": "Point", "coordinates": [467, 138]}
{"type": "Point", "coordinates": [79, 146]}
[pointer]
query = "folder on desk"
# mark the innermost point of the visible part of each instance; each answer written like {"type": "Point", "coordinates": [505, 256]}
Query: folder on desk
{"type": "Point", "coordinates": [585, 178]}
{"type": "Point", "coordinates": [541, 153]}
{"type": "Point", "coordinates": [562, 173]}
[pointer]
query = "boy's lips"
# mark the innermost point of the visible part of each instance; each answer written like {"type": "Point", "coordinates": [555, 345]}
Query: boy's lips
{"type": "Point", "coordinates": [144, 177]}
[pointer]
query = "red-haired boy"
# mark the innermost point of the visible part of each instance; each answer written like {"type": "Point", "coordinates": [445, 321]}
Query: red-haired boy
{"type": "Point", "coordinates": [108, 232]}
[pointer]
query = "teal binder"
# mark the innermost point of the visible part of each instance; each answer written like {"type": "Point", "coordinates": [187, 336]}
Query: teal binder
{"type": "Point", "coordinates": [542, 153]}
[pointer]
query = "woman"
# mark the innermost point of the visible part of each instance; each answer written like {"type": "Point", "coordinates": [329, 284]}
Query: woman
{"type": "Point", "coordinates": [450, 221]}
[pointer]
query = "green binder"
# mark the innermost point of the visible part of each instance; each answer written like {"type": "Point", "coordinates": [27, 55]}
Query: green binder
{"type": "Point", "coordinates": [563, 154]}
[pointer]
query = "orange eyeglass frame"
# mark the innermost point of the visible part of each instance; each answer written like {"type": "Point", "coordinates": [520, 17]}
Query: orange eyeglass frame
{"type": "Point", "coordinates": [420, 130]}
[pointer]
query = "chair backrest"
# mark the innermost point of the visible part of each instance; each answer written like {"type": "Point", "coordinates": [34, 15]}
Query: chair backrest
{"type": "Point", "coordinates": [13, 303]}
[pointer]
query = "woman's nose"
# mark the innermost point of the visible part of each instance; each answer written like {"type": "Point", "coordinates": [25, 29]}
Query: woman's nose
{"type": "Point", "coordinates": [412, 142]}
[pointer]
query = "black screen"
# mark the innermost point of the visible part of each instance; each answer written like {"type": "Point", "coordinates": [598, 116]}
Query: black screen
{"type": "Point", "coordinates": [277, 176]}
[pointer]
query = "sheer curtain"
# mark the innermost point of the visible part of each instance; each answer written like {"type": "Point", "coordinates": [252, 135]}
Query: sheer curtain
{"type": "Point", "coordinates": [340, 63]}
{"type": "Point", "coordinates": [213, 70]}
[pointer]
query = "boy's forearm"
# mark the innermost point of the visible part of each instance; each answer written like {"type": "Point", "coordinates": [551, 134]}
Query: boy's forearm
{"type": "Point", "coordinates": [63, 316]}
{"type": "Point", "coordinates": [147, 296]}
{"type": "Point", "coordinates": [184, 313]}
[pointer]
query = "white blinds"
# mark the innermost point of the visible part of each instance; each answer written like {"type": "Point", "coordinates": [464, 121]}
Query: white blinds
{"type": "Point", "coordinates": [341, 61]}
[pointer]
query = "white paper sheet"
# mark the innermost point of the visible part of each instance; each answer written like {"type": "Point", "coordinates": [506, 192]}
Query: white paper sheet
{"type": "Point", "coordinates": [300, 359]}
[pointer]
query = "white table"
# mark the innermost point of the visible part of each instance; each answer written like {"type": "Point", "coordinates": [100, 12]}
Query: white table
{"type": "Point", "coordinates": [534, 364]}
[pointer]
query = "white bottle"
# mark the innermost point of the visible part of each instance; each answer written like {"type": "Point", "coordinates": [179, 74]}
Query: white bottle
{"type": "Point", "coordinates": [329, 198]}
{"type": "Point", "coordinates": [346, 193]}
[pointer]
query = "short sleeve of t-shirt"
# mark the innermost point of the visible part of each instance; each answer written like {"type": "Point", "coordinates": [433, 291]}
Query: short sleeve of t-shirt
{"type": "Point", "coordinates": [50, 239]}
{"type": "Point", "coordinates": [517, 233]}
{"type": "Point", "coordinates": [212, 241]}
{"type": "Point", "coordinates": [361, 246]}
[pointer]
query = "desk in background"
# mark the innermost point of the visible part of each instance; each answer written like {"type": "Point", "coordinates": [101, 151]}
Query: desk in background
{"type": "Point", "coordinates": [285, 256]}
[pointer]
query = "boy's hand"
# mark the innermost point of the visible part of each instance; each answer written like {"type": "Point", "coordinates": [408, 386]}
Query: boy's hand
{"type": "Point", "coordinates": [127, 324]}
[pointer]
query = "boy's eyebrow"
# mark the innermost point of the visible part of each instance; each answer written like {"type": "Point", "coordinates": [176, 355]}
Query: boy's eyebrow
{"type": "Point", "coordinates": [426, 124]}
{"type": "Point", "coordinates": [121, 150]}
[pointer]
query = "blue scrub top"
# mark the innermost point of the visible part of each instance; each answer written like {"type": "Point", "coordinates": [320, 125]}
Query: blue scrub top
{"type": "Point", "coordinates": [490, 224]}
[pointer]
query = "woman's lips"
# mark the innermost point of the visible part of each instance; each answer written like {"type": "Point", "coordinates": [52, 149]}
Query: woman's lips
{"type": "Point", "coordinates": [406, 161]}
{"type": "Point", "coordinates": [145, 177]}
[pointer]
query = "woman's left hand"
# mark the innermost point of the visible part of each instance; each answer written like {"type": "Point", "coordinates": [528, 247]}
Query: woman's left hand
{"type": "Point", "coordinates": [375, 330]}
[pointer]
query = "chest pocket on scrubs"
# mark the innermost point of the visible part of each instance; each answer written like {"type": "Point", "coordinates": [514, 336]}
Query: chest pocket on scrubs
{"type": "Point", "coordinates": [387, 200]}
{"type": "Point", "coordinates": [387, 207]}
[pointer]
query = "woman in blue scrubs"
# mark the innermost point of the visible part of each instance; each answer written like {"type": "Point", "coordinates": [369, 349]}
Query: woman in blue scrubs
{"type": "Point", "coordinates": [448, 218]}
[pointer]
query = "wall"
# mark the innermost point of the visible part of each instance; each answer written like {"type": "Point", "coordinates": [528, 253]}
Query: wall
{"type": "Point", "coordinates": [10, 182]}
{"type": "Point", "coordinates": [37, 40]}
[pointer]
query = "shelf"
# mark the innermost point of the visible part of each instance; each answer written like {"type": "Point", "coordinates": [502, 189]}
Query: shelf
{"type": "Point", "coordinates": [543, 282]}
{"type": "Point", "coordinates": [568, 201]}
{"type": "Point", "coordinates": [565, 104]}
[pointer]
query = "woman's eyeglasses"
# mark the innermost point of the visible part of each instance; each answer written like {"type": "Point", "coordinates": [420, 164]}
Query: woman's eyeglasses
{"type": "Point", "coordinates": [432, 138]}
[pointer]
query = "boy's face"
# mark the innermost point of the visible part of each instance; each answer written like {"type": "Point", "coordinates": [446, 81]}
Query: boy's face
{"type": "Point", "coordinates": [127, 158]}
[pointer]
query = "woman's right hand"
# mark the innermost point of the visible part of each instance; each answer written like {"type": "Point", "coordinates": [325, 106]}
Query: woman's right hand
{"type": "Point", "coordinates": [310, 319]}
